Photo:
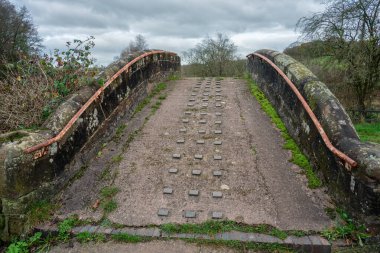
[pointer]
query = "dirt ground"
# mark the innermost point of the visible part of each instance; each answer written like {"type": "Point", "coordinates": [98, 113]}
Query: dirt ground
{"type": "Point", "coordinates": [244, 175]}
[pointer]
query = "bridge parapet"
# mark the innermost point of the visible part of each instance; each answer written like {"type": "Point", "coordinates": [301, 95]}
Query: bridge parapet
{"type": "Point", "coordinates": [33, 164]}
{"type": "Point", "coordinates": [357, 189]}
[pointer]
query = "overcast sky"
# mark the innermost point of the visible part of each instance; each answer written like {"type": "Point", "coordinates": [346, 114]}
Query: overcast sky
{"type": "Point", "coordinates": [174, 25]}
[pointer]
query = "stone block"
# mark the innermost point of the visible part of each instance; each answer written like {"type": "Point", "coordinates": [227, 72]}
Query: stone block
{"type": "Point", "coordinates": [217, 194]}
{"type": "Point", "coordinates": [198, 156]}
{"type": "Point", "coordinates": [196, 172]}
{"type": "Point", "coordinates": [190, 214]}
{"type": "Point", "coordinates": [194, 193]}
{"type": "Point", "coordinates": [163, 212]}
{"type": "Point", "coordinates": [168, 190]}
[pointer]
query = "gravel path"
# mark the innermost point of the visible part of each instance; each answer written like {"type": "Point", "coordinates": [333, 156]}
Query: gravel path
{"type": "Point", "coordinates": [209, 152]}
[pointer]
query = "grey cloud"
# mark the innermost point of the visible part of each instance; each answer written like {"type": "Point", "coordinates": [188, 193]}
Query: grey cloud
{"type": "Point", "coordinates": [169, 24]}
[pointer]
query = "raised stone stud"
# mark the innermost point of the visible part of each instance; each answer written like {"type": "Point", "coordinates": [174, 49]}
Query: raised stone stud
{"type": "Point", "coordinates": [217, 215]}
{"type": "Point", "coordinates": [200, 141]}
{"type": "Point", "coordinates": [203, 121]}
{"type": "Point", "coordinates": [218, 105]}
{"type": "Point", "coordinates": [196, 172]}
{"type": "Point", "coordinates": [198, 156]}
{"type": "Point", "coordinates": [202, 131]}
{"type": "Point", "coordinates": [180, 141]}
{"type": "Point", "coordinates": [217, 142]}
{"type": "Point", "coordinates": [173, 170]}
{"type": "Point", "coordinates": [217, 194]}
{"type": "Point", "coordinates": [218, 114]}
{"type": "Point", "coordinates": [217, 131]}
{"type": "Point", "coordinates": [185, 121]}
{"type": "Point", "coordinates": [193, 193]}
{"type": "Point", "coordinates": [218, 122]}
{"type": "Point", "coordinates": [190, 214]}
{"type": "Point", "coordinates": [217, 173]}
{"type": "Point", "coordinates": [176, 156]}
{"type": "Point", "coordinates": [168, 190]}
{"type": "Point", "coordinates": [217, 157]}
{"type": "Point", "coordinates": [163, 212]}
{"type": "Point", "coordinates": [204, 113]}
{"type": "Point", "coordinates": [183, 130]}
{"type": "Point", "coordinates": [190, 104]}
{"type": "Point", "coordinates": [187, 113]}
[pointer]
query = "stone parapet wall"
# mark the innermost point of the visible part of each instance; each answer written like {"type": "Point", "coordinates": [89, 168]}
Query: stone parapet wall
{"type": "Point", "coordinates": [358, 190]}
{"type": "Point", "coordinates": [29, 178]}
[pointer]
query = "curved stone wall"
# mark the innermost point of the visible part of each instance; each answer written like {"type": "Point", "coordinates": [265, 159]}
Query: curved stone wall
{"type": "Point", "coordinates": [357, 190]}
{"type": "Point", "coordinates": [27, 178]}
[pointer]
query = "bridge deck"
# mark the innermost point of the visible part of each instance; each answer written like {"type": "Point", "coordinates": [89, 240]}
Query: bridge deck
{"type": "Point", "coordinates": [220, 132]}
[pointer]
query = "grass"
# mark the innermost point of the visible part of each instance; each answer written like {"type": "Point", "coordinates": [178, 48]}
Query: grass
{"type": "Point", "coordinates": [109, 191]}
{"type": "Point", "coordinates": [117, 158]}
{"type": "Point", "coordinates": [124, 237]}
{"type": "Point", "coordinates": [369, 131]}
{"type": "Point", "coordinates": [85, 237]}
{"type": "Point", "coordinates": [346, 229]}
{"type": "Point", "coordinates": [40, 211]}
{"type": "Point", "coordinates": [212, 227]}
{"type": "Point", "coordinates": [157, 89]}
{"type": "Point", "coordinates": [298, 157]}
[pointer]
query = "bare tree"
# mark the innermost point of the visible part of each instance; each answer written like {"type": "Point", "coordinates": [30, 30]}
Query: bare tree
{"type": "Point", "coordinates": [18, 35]}
{"type": "Point", "coordinates": [212, 56]}
{"type": "Point", "coordinates": [350, 30]}
{"type": "Point", "coordinates": [139, 44]}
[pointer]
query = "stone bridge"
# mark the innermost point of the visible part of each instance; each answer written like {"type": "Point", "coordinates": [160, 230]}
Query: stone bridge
{"type": "Point", "coordinates": [147, 149]}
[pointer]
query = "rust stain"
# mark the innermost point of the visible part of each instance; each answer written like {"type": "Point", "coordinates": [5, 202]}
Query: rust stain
{"type": "Point", "coordinates": [349, 163]}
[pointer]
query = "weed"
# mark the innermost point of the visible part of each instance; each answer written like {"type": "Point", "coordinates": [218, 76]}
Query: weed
{"type": "Point", "coordinates": [87, 237]}
{"type": "Point", "coordinates": [99, 154]}
{"type": "Point", "coordinates": [278, 233]}
{"type": "Point", "coordinates": [109, 206]}
{"type": "Point", "coordinates": [346, 229]}
{"type": "Point", "coordinates": [124, 237]}
{"type": "Point", "coordinates": [109, 192]}
{"type": "Point", "coordinates": [23, 246]}
{"type": "Point", "coordinates": [174, 77]}
{"type": "Point", "coordinates": [119, 130]}
{"type": "Point", "coordinates": [214, 227]}
{"type": "Point", "coordinates": [40, 211]}
{"type": "Point", "coordinates": [298, 157]}
{"type": "Point", "coordinates": [64, 228]}
{"type": "Point", "coordinates": [117, 159]}
{"type": "Point", "coordinates": [162, 97]}
{"type": "Point", "coordinates": [106, 174]}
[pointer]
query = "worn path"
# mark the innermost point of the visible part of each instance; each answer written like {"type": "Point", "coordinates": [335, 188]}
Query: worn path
{"type": "Point", "coordinates": [209, 152]}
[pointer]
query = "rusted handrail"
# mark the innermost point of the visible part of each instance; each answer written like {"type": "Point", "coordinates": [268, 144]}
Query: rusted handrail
{"type": "Point", "coordinates": [317, 124]}
{"type": "Point", "coordinates": [89, 102]}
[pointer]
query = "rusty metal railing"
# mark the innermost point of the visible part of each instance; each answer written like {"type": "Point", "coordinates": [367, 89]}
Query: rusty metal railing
{"type": "Point", "coordinates": [67, 127]}
{"type": "Point", "coordinates": [311, 114]}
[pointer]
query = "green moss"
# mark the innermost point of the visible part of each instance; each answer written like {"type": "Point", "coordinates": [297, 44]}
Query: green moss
{"type": "Point", "coordinates": [109, 206]}
{"type": "Point", "coordinates": [11, 137]}
{"type": "Point", "coordinates": [298, 157]}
